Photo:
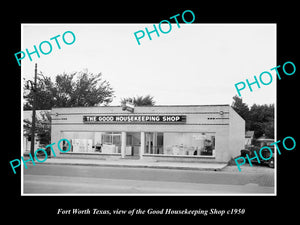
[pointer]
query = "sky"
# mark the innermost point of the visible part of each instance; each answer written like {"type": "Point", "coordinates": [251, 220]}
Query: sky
{"type": "Point", "coordinates": [196, 64]}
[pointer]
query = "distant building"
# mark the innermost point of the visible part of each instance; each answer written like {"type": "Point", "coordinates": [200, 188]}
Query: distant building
{"type": "Point", "coordinates": [249, 137]}
{"type": "Point", "coordinates": [27, 115]}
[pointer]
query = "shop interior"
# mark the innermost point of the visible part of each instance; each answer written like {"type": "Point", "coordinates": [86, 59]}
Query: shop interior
{"type": "Point", "coordinates": [156, 143]}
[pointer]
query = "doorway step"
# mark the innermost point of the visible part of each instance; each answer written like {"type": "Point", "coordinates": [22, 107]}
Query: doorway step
{"type": "Point", "coordinates": [132, 157]}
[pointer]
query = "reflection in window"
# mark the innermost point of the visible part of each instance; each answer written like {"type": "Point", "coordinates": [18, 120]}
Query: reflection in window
{"type": "Point", "coordinates": [175, 143]}
{"type": "Point", "coordinates": [101, 142]}
{"type": "Point", "coordinates": [157, 143]}
{"type": "Point", "coordinates": [154, 143]}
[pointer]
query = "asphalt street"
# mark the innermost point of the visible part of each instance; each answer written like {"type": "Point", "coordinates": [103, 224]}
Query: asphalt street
{"type": "Point", "coordinates": [74, 179]}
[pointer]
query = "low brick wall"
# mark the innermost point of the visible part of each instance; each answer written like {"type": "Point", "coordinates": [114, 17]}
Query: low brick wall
{"type": "Point", "coordinates": [89, 156]}
{"type": "Point", "coordinates": [162, 158]}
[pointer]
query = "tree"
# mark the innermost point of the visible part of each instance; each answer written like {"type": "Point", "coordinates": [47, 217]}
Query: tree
{"type": "Point", "coordinates": [70, 90]}
{"type": "Point", "coordinates": [44, 96]}
{"type": "Point", "coordinates": [140, 100]}
{"type": "Point", "coordinates": [259, 118]}
{"type": "Point", "coordinates": [241, 108]}
{"type": "Point", "coordinates": [42, 127]}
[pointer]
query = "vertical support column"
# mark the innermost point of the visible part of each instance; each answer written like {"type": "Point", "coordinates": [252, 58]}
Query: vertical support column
{"type": "Point", "coordinates": [149, 143]}
{"type": "Point", "coordinates": [123, 144]}
{"type": "Point", "coordinates": [155, 142]}
{"type": "Point", "coordinates": [142, 148]}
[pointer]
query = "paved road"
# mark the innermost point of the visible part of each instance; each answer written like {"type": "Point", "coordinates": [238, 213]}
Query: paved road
{"type": "Point", "coordinates": [70, 179]}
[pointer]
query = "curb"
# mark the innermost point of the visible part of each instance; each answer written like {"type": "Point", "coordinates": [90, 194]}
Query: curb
{"type": "Point", "coordinates": [136, 166]}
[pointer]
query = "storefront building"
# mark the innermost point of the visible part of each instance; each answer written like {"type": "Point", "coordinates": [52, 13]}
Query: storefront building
{"type": "Point", "coordinates": [214, 133]}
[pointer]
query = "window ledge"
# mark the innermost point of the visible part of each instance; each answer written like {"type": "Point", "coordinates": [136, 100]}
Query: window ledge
{"type": "Point", "coordinates": [182, 156]}
{"type": "Point", "coordinates": [88, 153]}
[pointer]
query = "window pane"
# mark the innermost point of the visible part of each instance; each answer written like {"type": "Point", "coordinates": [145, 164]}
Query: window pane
{"type": "Point", "coordinates": [101, 142]}
{"type": "Point", "coordinates": [180, 143]}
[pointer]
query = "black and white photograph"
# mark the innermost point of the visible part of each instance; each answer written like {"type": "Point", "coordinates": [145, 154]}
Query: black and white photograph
{"type": "Point", "coordinates": [173, 112]}
{"type": "Point", "coordinates": [160, 116]}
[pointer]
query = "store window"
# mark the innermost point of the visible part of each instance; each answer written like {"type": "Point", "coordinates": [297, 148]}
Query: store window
{"type": "Point", "coordinates": [154, 143]}
{"type": "Point", "coordinates": [180, 143]}
{"type": "Point", "coordinates": [111, 142]}
{"type": "Point", "coordinates": [100, 142]}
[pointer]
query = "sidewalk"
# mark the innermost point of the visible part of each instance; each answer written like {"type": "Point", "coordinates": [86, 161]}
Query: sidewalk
{"type": "Point", "coordinates": [136, 164]}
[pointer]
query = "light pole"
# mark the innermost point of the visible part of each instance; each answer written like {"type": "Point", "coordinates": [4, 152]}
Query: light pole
{"type": "Point", "coordinates": [33, 87]}
{"type": "Point", "coordinates": [33, 114]}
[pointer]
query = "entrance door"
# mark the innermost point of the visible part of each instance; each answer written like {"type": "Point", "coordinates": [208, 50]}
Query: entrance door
{"type": "Point", "coordinates": [154, 143]}
{"type": "Point", "coordinates": [133, 143]}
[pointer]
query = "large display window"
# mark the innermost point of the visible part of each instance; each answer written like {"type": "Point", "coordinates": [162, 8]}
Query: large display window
{"type": "Point", "coordinates": [180, 143]}
{"type": "Point", "coordinates": [156, 143]}
{"type": "Point", "coordinates": [101, 142]}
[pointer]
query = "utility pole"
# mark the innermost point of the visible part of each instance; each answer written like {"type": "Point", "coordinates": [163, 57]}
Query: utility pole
{"type": "Point", "coordinates": [33, 113]}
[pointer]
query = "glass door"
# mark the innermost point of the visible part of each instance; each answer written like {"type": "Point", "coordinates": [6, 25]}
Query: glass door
{"type": "Point", "coordinates": [133, 143]}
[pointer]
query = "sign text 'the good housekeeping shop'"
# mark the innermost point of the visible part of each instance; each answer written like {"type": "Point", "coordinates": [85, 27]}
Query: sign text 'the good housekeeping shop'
{"type": "Point", "coordinates": [136, 119]}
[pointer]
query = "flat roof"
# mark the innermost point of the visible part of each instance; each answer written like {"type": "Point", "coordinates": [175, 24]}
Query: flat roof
{"type": "Point", "coordinates": [142, 106]}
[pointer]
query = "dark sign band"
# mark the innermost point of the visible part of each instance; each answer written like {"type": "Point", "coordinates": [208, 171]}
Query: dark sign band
{"type": "Point", "coordinates": [135, 119]}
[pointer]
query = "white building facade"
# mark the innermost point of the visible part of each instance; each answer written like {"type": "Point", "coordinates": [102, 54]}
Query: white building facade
{"type": "Point", "coordinates": [204, 133]}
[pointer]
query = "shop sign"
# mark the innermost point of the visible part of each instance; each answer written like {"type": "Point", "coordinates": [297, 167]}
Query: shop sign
{"type": "Point", "coordinates": [136, 119]}
{"type": "Point", "coordinates": [128, 106]}
{"type": "Point", "coordinates": [63, 118]}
